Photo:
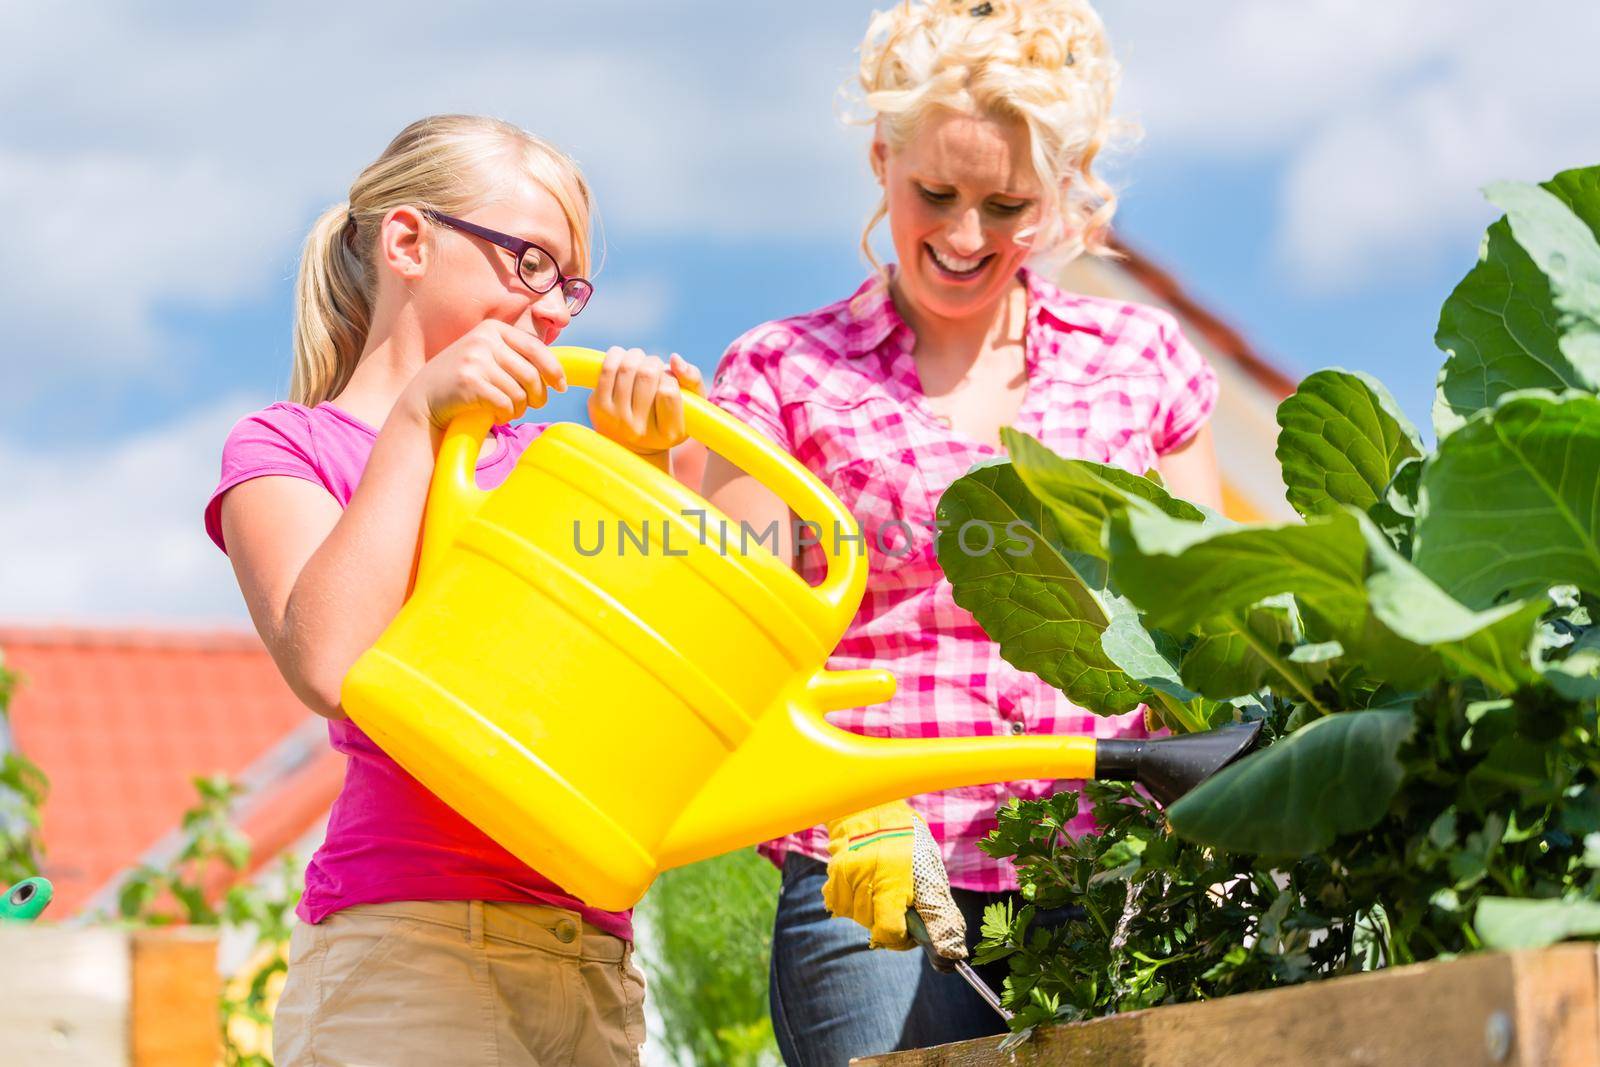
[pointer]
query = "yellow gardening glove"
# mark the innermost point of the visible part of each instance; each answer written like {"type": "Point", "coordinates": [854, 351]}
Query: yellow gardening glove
{"type": "Point", "coordinates": [883, 861]}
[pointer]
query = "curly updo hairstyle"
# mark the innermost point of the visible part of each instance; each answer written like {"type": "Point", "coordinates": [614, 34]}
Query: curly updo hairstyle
{"type": "Point", "coordinates": [1045, 63]}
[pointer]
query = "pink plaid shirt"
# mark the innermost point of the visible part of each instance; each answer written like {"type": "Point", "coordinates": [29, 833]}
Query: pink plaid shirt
{"type": "Point", "coordinates": [838, 388]}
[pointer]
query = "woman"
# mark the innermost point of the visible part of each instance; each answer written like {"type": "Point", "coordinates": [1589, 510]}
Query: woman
{"type": "Point", "coordinates": [987, 121]}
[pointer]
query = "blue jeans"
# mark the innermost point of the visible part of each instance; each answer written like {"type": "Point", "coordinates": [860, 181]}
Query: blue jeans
{"type": "Point", "coordinates": [833, 998]}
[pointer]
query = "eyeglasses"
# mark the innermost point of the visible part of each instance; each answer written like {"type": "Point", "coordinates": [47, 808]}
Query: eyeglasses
{"type": "Point", "coordinates": [535, 266]}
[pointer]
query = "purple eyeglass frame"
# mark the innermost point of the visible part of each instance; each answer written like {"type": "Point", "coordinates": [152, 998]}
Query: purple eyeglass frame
{"type": "Point", "coordinates": [518, 247]}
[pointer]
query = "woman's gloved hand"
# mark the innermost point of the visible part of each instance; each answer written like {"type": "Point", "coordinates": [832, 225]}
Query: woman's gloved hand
{"type": "Point", "coordinates": [883, 861]}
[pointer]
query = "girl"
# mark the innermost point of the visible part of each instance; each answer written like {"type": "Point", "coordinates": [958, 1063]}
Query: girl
{"type": "Point", "coordinates": [987, 121]}
{"type": "Point", "coordinates": [435, 289]}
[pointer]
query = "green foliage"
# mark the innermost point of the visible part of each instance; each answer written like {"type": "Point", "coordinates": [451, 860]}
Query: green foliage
{"type": "Point", "coordinates": [1484, 813]}
{"type": "Point", "coordinates": [1422, 648]}
{"type": "Point", "coordinates": [1342, 441]}
{"type": "Point", "coordinates": [1189, 578]}
{"type": "Point", "coordinates": [159, 896]}
{"type": "Point", "coordinates": [1133, 917]}
{"type": "Point", "coordinates": [1229, 809]}
{"type": "Point", "coordinates": [1557, 236]}
{"type": "Point", "coordinates": [23, 788]}
{"type": "Point", "coordinates": [708, 927]}
{"type": "Point", "coordinates": [1043, 597]}
{"type": "Point", "coordinates": [1501, 329]}
{"type": "Point", "coordinates": [248, 1001]}
{"type": "Point", "coordinates": [175, 893]}
{"type": "Point", "coordinates": [1506, 923]}
{"type": "Point", "coordinates": [1043, 591]}
{"type": "Point", "coordinates": [1535, 458]}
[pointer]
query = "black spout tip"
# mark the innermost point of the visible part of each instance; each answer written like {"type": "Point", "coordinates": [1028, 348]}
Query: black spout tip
{"type": "Point", "coordinates": [1171, 766]}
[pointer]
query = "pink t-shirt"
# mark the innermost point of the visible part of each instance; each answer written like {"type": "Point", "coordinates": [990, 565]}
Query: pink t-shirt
{"type": "Point", "coordinates": [388, 838]}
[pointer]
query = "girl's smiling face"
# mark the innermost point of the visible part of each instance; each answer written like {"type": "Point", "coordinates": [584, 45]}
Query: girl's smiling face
{"type": "Point", "coordinates": [962, 202]}
{"type": "Point", "coordinates": [456, 280]}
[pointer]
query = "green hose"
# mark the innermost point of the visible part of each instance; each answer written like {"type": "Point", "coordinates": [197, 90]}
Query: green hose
{"type": "Point", "coordinates": [24, 901]}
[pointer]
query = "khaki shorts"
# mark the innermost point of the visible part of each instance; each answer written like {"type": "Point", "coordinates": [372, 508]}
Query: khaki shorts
{"type": "Point", "coordinates": [459, 983]}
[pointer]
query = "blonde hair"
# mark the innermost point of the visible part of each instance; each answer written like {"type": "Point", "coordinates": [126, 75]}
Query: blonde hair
{"type": "Point", "coordinates": [1045, 63]}
{"type": "Point", "coordinates": [445, 163]}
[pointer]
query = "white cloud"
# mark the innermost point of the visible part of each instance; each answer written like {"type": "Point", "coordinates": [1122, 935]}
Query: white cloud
{"type": "Point", "coordinates": [115, 535]}
{"type": "Point", "coordinates": [175, 160]}
{"type": "Point", "coordinates": [1368, 193]}
{"type": "Point", "coordinates": [167, 160]}
{"type": "Point", "coordinates": [1245, 75]}
{"type": "Point", "coordinates": [171, 158]}
{"type": "Point", "coordinates": [1382, 121]}
{"type": "Point", "coordinates": [90, 256]}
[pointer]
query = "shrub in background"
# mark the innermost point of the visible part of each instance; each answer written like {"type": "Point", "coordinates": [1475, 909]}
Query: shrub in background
{"type": "Point", "coordinates": [23, 788]}
{"type": "Point", "coordinates": [709, 931]}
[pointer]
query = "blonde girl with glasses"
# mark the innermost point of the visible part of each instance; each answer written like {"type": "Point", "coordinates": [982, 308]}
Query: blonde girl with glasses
{"type": "Point", "coordinates": [435, 289]}
{"type": "Point", "coordinates": [988, 119]}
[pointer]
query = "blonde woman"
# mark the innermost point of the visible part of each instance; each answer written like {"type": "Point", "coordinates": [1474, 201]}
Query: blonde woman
{"type": "Point", "coordinates": [436, 288]}
{"type": "Point", "coordinates": [988, 117]}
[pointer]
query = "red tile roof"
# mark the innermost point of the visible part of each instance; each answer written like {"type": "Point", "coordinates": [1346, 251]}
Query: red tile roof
{"type": "Point", "coordinates": [122, 720]}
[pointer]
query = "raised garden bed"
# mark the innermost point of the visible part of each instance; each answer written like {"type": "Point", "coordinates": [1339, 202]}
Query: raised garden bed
{"type": "Point", "coordinates": [104, 995]}
{"type": "Point", "coordinates": [1520, 1009]}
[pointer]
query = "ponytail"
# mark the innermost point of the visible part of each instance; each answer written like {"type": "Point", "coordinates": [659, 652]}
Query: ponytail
{"type": "Point", "coordinates": [332, 310]}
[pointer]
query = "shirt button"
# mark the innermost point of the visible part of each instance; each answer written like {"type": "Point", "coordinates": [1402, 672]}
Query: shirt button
{"type": "Point", "coordinates": [1019, 727]}
{"type": "Point", "coordinates": [566, 931]}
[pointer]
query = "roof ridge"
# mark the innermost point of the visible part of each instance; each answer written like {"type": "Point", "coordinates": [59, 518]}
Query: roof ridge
{"type": "Point", "coordinates": [1221, 334]}
{"type": "Point", "coordinates": [164, 637]}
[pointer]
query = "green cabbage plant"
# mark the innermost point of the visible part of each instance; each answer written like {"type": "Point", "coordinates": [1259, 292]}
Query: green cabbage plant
{"type": "Point", "coordinates": [1421, 648]}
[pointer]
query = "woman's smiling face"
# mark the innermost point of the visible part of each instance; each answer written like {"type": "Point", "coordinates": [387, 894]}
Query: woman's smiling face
{"type": "Point", "coordinates": [959, 194]}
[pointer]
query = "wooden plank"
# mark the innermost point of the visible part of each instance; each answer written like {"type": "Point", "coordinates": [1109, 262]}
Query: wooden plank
{"type": "Point", "coordinates": [175, 998]}
{"type": "Point", "coordinates": [1531, 1009]}
{"type": "Point", "coordinates": [64, 996]}
{"type": "Point", "coordinates": [1432, 1013]}
{"type": "Point", "coordinates": [1117, 1041]}
{"type": "Point", "coordinates": [1557, 1020]}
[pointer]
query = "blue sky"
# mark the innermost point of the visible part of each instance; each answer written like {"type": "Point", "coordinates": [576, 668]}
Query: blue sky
{"type": "Point", "coordinates": [1310, 170]}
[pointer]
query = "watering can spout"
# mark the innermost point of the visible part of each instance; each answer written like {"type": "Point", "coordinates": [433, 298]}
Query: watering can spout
{"type": "Point", "coordinates": [1172, 766]}
{"type": "Point", "coordinates": [797, 770]}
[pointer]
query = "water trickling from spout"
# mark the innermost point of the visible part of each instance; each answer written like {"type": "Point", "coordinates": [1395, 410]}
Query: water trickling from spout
{"type": "Point", "coordinates": [1119, 939]}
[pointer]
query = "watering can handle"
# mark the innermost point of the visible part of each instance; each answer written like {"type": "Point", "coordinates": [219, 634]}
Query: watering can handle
{"type": "Point", "coordinates": [455, 495]}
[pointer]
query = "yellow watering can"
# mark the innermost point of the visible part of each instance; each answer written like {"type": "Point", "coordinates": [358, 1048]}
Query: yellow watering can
{"type": "Point", "coordinates": [607, 715]}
